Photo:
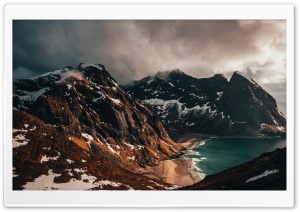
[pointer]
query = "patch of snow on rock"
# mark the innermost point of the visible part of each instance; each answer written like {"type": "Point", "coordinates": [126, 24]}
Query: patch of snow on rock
{"type": "Point", "coordinates": [19, 140]}
{"type": "Point", "coordinates": [45, 158]}
{"type": "Point", "coordinates": [14, 175]}
{"type": "Point", "coordinates": [69, 161]}
{"type": "Point", "coordinates": [266, 173]}
{"type": "Point", "coordinates": [131, 158]}
{"type": "Point", "coordinates": [116, 101]}
{"type": "Point", "coordinates": [32, 96]}
{"type": "Point", "coordinates": [131, 146]}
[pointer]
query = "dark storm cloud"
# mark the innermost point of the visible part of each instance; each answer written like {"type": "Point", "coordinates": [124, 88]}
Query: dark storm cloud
{"type": "Point", "coordinates": [134, 49]}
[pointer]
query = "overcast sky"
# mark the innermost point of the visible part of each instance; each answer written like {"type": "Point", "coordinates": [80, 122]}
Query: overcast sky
{"type": "Point", "coordinates": [131, 50]}
{"type": "Point", "coordinates": [134, 49]}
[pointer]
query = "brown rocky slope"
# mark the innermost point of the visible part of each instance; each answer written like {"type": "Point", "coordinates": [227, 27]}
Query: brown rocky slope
{"type": "Point", "coordinates": [82, 118]}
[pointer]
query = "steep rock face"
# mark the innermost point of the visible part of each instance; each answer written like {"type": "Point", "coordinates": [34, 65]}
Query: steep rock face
{"type": "Point", "coordinates": [267, 172]}
{"type": "Point", "coordinates": [184, 103]}
{"type": "Point", "coordinates": [89, 109]}
{"type": "Point", "coordinates": [210, 105]}
{"type": "Point", "coordinates": [176, 85]}
{"type": "Point", "coordinates": [245, 102]}
{"type": "Point", "coordinates": [45, 158]}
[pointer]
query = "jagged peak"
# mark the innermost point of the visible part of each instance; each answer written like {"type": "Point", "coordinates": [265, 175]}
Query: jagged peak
{"type": "Point", "coordinates": [221, 76]}
{"type": "Point", "coordinates": [237, 75]}
{"type": "Point", "coordinates": [96, 65]}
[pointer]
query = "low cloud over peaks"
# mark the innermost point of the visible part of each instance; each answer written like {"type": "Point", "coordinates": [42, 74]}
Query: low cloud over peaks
{"type": "Point", "coordinates": [72, 74]}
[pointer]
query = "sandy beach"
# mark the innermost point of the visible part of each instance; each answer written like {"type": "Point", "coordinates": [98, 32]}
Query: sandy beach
{"type": "Point", "coordinates": [178, 171]}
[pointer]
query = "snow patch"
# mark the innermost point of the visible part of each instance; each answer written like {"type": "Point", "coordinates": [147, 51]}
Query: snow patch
{"type": "Point", "coordinates": [163, 105]}
{"type": "Point", "coordinates": [171, 84]}
{"type": "Point", "coordinates": [131, 158]}
{"type": "Point", "coordinates": [97, 99]}
{"type": "Point", "coordinates": [32, 96]}
{"type": "Point", "coordinates": [190, 124]}
{"type": "Point", "coordinates": [107, 182]}
{"type": "Point", "coordinates": [280, 128]}
{"type": "Point", "coordinates": [87, 136]}
{"type": "Point", "coordinates": [56, 72]}
{"type": "Point", "coordinates": [116, 101]}
{"type": "Point", "coordinates": [112, 150]}
{"type": "Point", "coordinates": [19, 140]}
{"type": "Point", "coordinates": [151, 181]}
{"type": "Point", "coordinates": [266, 173]}
{"type": "Point", "coordinates": [140, 147]}
{"type": "Point", "coordinates": [81, 170]}
{"type": "Point", "coordinates": [131, 146]}
{"type": "Point", "coordinates": [172, 187]}
{"type": "Point", "coordinates": [45, 158]}
{"type": "Point", "coordinates": [19, 130]}
{"type": "Point", "coordinates": [151, 187]}
{"type": "Point", "coordinates": [33, 128]}
{"type": "Point", "coordinates": [219, 95]}
{"type": "Point", "coordinates": [69, 161]}
{"type": "Point", "coordinates": [14, 175]}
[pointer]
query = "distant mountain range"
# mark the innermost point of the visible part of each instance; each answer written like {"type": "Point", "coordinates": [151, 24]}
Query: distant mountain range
{"type": "Point", "coordinates": [215, 106]}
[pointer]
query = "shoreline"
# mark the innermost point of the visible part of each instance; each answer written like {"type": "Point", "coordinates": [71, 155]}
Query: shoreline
{"type": "Point", "coordinates": [181, 171]}
{"type": "Point", "coordinates": [188, 141]}
{"type": "Point", "coordinates": [182, 138]}
{"type": "Point", "coordinates": [176, 171]}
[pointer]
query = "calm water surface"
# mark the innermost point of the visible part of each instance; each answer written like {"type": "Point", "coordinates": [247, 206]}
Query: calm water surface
{"type": "Point", "coordinates": [215, 155]}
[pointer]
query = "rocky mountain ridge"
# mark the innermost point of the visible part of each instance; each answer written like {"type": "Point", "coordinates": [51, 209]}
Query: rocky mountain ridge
{"type": "Point", "coordinates": [214, 106]}
{"type": "Point", "coordinates": [83, 115]}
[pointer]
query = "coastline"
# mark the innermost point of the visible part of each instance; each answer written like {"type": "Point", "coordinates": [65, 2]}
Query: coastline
{"type": "Point", "coordinates": [177, 171]}
{"type": "Point", "coordinates": [189, 140]}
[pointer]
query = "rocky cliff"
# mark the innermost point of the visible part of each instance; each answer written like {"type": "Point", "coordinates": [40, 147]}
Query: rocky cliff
{"type": "Point", "coordinates": [82, 118]}
{"type": "Point", "coordinates": [212, 105]}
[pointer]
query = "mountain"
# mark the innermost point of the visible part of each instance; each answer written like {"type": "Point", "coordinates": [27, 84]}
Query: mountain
{"type": "Point", "coordinates": [77, 126]}
{"type": "Point", "coordinates": [211, 106]}
{"type": "Point", "coordinates": [267, 172]}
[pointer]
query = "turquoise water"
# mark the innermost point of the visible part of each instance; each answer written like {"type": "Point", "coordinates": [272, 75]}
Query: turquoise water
{"type": "Point", "coordinates": [215, 155]}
